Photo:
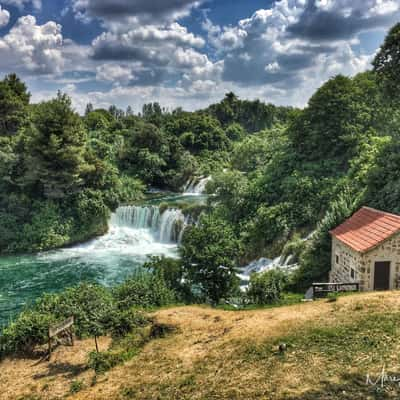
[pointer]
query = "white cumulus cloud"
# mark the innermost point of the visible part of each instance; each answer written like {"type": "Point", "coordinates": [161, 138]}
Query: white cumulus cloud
{"type": "Point", "coordinates": [4, 17]}
{"type": "Point", "coordinates": [32, 48]}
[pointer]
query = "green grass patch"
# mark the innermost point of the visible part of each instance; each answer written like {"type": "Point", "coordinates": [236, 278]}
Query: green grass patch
{"type": "Point", "coordinates": [286, 300]}
{"type": "Point", "coordinates": [125, 348]}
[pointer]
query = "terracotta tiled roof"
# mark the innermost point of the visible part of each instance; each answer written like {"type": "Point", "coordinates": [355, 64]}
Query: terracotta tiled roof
{"type": "Point", "coordinates": [367, 228]}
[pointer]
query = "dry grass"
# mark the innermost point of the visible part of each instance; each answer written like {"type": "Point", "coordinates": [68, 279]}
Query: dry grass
{"type": "Point", "coordinates": [218, 354]}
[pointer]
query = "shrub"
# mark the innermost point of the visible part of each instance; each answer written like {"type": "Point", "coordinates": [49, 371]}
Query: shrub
{"type": "Point", "coordinates": [122, 349]}
{"type": "Point", "coordinates": [143, 290]}
{"type": "Point", "coordinates": [173, 273]}
{"type": "Point", "coordinates": [76, 386]}
{"type": "Point", "coordinates": [102, 362]}
{"type": "Point", "coordinates": [294, 248]}
{"type": "Point", "coordinates": [28, 331]}
{"type": "Point", "coordinates": [267, 287]}
{"type": "Point", "coordinates": [91, 305]}
{"type": "Point", "coordinates": [125, 321]}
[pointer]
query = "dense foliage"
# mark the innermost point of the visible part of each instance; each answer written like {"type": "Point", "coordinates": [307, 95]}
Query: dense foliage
{"type": "Point", "coordinates": [267, 287]}
{"type": "Point", "coordinates": [302, 178]}
{"type": "Point", "coordinates": [210, 254]}
{"type": "Point", "coordinates": [96, 310]}
{"type": "Point", "coordinates": [61, 174]}
{"type": "Point", "coordinates": [280, 175]}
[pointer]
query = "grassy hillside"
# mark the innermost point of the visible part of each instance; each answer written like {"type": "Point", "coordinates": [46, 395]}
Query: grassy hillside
{"type": "Point", "coordinates": [215, 354]}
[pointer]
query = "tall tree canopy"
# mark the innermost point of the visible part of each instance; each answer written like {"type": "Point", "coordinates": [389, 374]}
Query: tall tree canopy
{"type": "Point", "coordinates": [57, 149]}
{"type": "Point", "coordinates": [14, 100]}
{"type": "Point", "coordinates": [387, 63]}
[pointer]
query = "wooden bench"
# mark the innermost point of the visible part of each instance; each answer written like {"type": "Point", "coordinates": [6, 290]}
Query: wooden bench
{"type": "Point", "coordinates": [322, 289]}
{"type": "Point", "coordinates": [62, 327]}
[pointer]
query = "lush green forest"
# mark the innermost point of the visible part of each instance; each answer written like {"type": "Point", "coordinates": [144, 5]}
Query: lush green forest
{"type": "Point", "coordinates": [279, 173]}
{"type": "Point", "coordinates": [281, 179]}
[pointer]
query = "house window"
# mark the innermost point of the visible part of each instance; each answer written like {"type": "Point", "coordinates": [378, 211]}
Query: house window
{"type": "Point", "coordinates": [352, 273]}
{"type": "Point", "coordinates": [337, 258]}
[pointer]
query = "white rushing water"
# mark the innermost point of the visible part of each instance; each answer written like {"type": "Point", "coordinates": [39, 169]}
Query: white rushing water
{"type": "Point", "coordinates": [196, 186]}
{"type": "Point", "coordinates": [265, 264]}
{"type": "Point", "coordinates": [134, 231]}
{"type": "Point", "coordinates": [165, 227]}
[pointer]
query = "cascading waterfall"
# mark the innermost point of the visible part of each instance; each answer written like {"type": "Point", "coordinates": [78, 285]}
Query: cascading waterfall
{"type": "Point", "coordinates": [196, 186]}
{"type": "Point", "coordinates": [166, 227]}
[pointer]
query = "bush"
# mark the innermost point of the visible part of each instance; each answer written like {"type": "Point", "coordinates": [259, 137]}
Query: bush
{"type": "Point", "coordinates": [173, 273]}
{"type": "Point", "coordinates": [122, 349]}
{"type": "Point", "coordinates": [96, 312]}
{"type": "Point", "coordinates": [124, 322]}
{"type": "Point", "coordinates": [267, 287]}
{"type": "Point", "coordinates": [76, 386]}
{"type": "Point", "coordinates": [143, 290]}
{"type": "Point", "coordinates": [102, 362]}
{"type": "Point", "coordinates": [92, 307]}
{"type": "Point", "coordinates": [27, 332]}
{"type": "Point", "coordinates": [294, 248]}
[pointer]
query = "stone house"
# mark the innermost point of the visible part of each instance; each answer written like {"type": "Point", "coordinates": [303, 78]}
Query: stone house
{"type": "Point", "coordinates": [366, 249]}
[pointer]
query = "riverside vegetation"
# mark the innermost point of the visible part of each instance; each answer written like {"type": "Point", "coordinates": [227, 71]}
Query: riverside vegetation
{"type": "Point", "coordinates": [279, 174]}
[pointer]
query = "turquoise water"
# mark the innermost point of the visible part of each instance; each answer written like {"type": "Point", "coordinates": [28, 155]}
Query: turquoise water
{"type": "Point", "coordinates": [107, 260]}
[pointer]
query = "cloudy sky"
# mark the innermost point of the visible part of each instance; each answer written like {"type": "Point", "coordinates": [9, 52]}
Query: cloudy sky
{"type": "Point", "coordinates": [188, 52]}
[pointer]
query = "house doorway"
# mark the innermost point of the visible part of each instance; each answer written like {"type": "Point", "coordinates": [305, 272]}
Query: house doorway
{"type": "Point", "coordinates": [382, 275]}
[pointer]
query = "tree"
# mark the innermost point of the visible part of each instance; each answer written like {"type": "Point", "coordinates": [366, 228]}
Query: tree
{"type": "Point", "coordinates": [145, 153]}
{"type": "Point", "coordinates": [235, 132]}
{"type": "Point", "coordinates": [210, 253]}
{"type": "Point", "coordinates": [98, 120]}
{"type": "Point", "coordinates": [267, 287]}
{"type": "Point", "coordinates": [171, 271]}
{"type": "Point", "coordinates": [198, 132]}
{"type": "Point", "coordinates": [387, 63]}
{"type": "Point", "coordinates": [383, 180]}
{"type": "Point", "coordinates": [325, 127]}
{"type": "Point", "coordinates": [91, 305]}
{"type": "Point", "coordinates": [129, 111]}
{"type": "Point", "coordinates": [257, 150]}
{"type": "Point", "coordinates": [14, 101]}
{"type": "Point", "coordinates": [89, 109]}
{"type": "Point", "coordinates": [253, 116]}
{"type": "Point", "coordinates": [315, 261]}
{"type": "Point", "coordinates": [153, 113]}
{"type": "Point", "coordinates": [116, 112]}
{"type": "Point", "coordinates": [56, 150]}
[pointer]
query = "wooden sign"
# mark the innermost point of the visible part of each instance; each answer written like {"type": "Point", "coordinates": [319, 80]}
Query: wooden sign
{"type": "Point", "coordinates": [54, 330]}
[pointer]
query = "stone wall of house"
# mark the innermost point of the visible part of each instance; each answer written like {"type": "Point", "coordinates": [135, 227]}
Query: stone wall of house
{"type": "Point", "coordinates": [346, 264]}
{"type": "Point", "coordinates": [387, 251]}
{"type": "Point", "coordinates": [351, 266]}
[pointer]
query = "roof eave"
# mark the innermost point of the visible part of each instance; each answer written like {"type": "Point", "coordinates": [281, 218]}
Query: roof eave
{"type": "Point", "coordinates": [367, 250]}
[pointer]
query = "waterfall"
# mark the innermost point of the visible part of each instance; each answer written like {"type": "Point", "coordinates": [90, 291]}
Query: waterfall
{"type": "Point", "coordinates": [196, 186]}
{"type": "Point", "coordinates": [166, 227]}
{"type": "Point", "coordinates": [264, 264]}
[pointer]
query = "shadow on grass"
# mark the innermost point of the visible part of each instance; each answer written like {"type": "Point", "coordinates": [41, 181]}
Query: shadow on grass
{"type": "Point", "coordinates": [65, 369]}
